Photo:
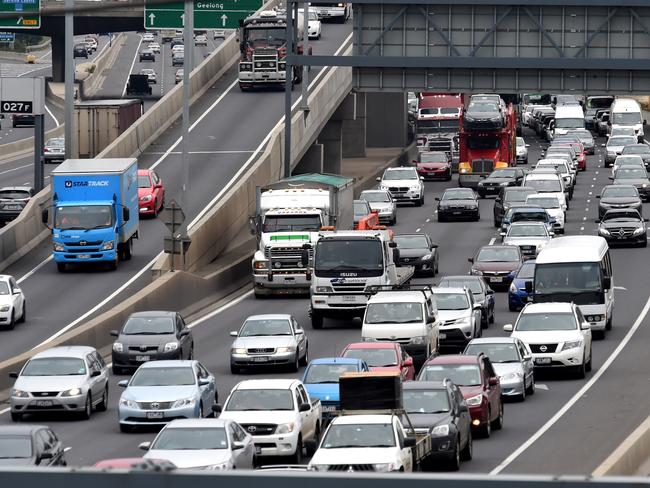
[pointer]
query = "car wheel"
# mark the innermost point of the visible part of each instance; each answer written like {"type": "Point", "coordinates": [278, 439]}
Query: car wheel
{"type": "Point", "coordinates": [235, 369]}
{"type": "Point", "coordinates": [12, 322]}
{"type": "Point", "coordinates": [581, 371]}
{"type": "Point", "coordinates": [313, 444]}
{"type": "Point", "coordinates": [297, 456]}
{"type": "Point", "coordinates": [588, 365]}
{"type": "Point", "coordinates": [190, 355]}
{"type": "Point", "coordinates": [103, 404]}
{"type": "Point", "coordinates": [522, 397]}
{"type": "Point", "coordinates": [125, 428]}
{"type": "Point", "coordinates": [23, 317]}
{"type": "Point", "coordinates": [117, 371]}
{"type": "Point", "coordinates": [16, 417]}
{"type": "Point", "coordinates": [492, 317]}
{"type": "Point", "coordinates": [496, 223]}
{"type": "Point", "coordinates": [530, 389]}
{"type": "Point", "coordinates": [295, 365]}
{"type": "Point", "coordinates": [512, 308]}
{"type": "Point", "coordinates": [608, 324]}
{"type": "Point", "coordinates": [484, 321]}
{"type": "Point", "coordinates": [88, 408]}
{"type": "Point", "coordinates": [486, 429]}
{"type": "Point", "coordinates": [468, 451]}
{"type": "Point", "coordinates": [305, 358]}
{"type": "Point", "coordinates": [454, 461]}
{"type": "Point", "coordinates": [497, 424]}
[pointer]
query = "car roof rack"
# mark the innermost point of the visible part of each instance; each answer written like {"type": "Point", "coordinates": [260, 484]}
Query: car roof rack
{"type": "Point", "coordinates": [372, 290]}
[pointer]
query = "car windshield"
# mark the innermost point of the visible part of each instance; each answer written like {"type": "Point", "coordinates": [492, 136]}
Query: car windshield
{"type": "Point", "coordinates": [505, 352]}
{"type": "Point", "coordinates": [14, 195]}
{"type": "Point", "coordinates": [55, 367]}
{"type": "Point", "coordinates": [451, 301]}
{"type": "Point", "coordinates": [494, 254]}
{"type": "Point", "coordinates": [622, 215]}
{"type": "Point", "coordinates": [544, 202]}
{"type": "Point", "coordinates": [528, 216]}
{"type": "Point", "coordinates": [622, 131]}
{"type": "Point", "coordinates": [163, 376]}
{"type": "Point", "coordinates": [83, 217]}
{"type": "Point", "coordinates": [411, 242]}
{"type": "Point", "coordinates": [567, 278]}
{"type": "Point", "coordinates": [327, 373]}
{"type": "Point", "coordinates": [15, 447]}
{"type": "Point", "coordinates": [374, 357]}
{"type": "Point", "coordinates": [459, 194]}
{"type": "Point", "coordinates": [550, 186]}
{"type": "Point", "coordinates": [4, 288]}
{"type": "Point", "coordinates": [58, 142]}
{"type": "Point", "coordinates": [260, 399]}
{"type": "Point", "coordinates": [619, 191]}
{"type": "Point", "coordinates": [471, 284]}
{"type": "Point", "coordinates": [557, 151]}
{"type": "Point", "coordinates": [527, 231]}
{"type": "Point", "coordinates": [400, 174]}
{"type": "Point", "coordinates": [425, 401]}
{"type": "Point", "coordinates": [483, 106]}
{"type": "Point", "coordinates": [148, 326]}
{"type": "Point", "coordinates": [375, 196]}
{"type": "Point", "coordinates": [360, 209]}
{"type": "Point", "coordinates": [266, 327]}
{"type": "Point", "coordinates": [285, 223]}
{"type": "Point", "coordinates": [503, 173]}
{"type": "Point", "coordinates": [640, 149]}
{"type": "Point", "coordinates": [144, 181]}
{"type": "Point", "coordinates": [393, 313]}
{"type": "Point", "coordinates": [461, 374]}
{"type": "Point", "coordinates": [358, 435]}
{"type": "Point", "coordinates": [630, 173]}
{"type": "Point", "coordinates": [517, 195]}
{"type": "Point", "coordinates": [629, 159]}
{"type": "Point", "coordinates": [526, 271]}
{"type": "Point", "coordinates": [558, 167]}
{"type": "Point", "coordinates": [545, 321]}
{"type": "Point", "coordinates": [433, 157]}
{"type": "Point", "coordinates": [626, 118]}
{"type": "Point", "coordinates": [621, 141]}
{"type": "Point", "coordinates": [521, 142]}
{"type": "Point", "coordinates": [186, 438]}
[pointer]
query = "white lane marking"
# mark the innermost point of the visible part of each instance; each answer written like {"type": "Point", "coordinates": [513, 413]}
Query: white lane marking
{"type": "Point", "coordinates": [620, 288]}
{"type": "Point", "coordinates": [492, 241]}
{"type": "Point", "coordinates": [418, 229]}
{"type": "Point", "coordinates": [223, 308]}
{"type": "Point", "coordinates": [588, 200]}
{"type": "Point", "coordinates": [596, 171]}
{"type": "Point", "coordinates": [541, 386]}
{"type": "Point", "coordinates": [590, 193]}
{"type": "Point", "coordinates": [582, 228]}
{"type": "Point", "coordinates": [56, 121]}
{"type": "Point", "coordinates": [36, 268]}
{"type": "Point", "coordinates": [578, 395]}
{"type": "Point", "coordinates": [31, 71]}
{"type": "Point", "coordinates": [16, 168]}
{"type": "Point", "coordinates": [44, 55]}
{"type": "Point", "coordinates": [137, 51]}
{"type": "Point", "coordinates": [98, 306]}
{"type": "Point", "coordinates": [5, 410]}
{"type": "Point", "coordinates": [428, 220]}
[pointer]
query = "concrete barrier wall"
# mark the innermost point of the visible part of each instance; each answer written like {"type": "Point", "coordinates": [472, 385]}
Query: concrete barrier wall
{"type": "Point", "coordinates": [630, 456]}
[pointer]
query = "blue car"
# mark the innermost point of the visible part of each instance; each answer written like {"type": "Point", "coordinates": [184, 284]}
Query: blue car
{"type": "Point", "coordinates": [321, 379]}
{"type": "Point", "coordinates": [517, 294]}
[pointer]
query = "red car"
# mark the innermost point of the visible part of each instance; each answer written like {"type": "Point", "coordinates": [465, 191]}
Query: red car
{"type": "Point", "coordinates": [433, 165]}
{"type": "Point", "coordinates": [136, 464]}
{"type": "Point", "coordinates": [580, 150]}
{"type": "Point", "coordinates": [382, 356]}
{"type": "Point", "coordinates": [151, 192]}
{"type": "Point", "coordinates": [478, 382]}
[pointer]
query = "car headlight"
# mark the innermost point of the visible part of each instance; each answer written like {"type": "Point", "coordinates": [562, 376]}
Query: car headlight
{"type": "Point", "coordinates": [644, 185]}
{"type": "Point", "coordinates": [238, 350]}
{"type": "Point", "coordinates": [285, 428]}
{"type": "Point", "coordinates": [572, 344]}
{"type": "Point", "coordinates": [282, 66]}
{"type": "Point", "coordinates": [475, 400]}
{"type": "Point", "coordinates": [146, 198]}
{"type": "Point", "coordinates": [59, 247]}
{"type": "Point", "coordinates": [170, 346]}
{"type": "Point", "coordinates": [19, 393]}
{"type": "Point", "coordinates": [603, 231]}
{"type": "Point", "coordinates": [638, 231]}
{"type": "Point", "coordinates": [245, 67]}
{"type": "Point", "coordinates": [417, 187]}
{"type": "Point", "coordinates": [477, 272]}
{"type": "Point", "coordinates": [128, 403]}
{"type": "Point", "coordinates": [511, 376]}
{"type": "Point", "coordinates": [324, 289]}
{"type": "Point", "coordinates": [108, 245]}
{"type": "Point", "coordinates": [4, 308]}
{"type": "Point", "coordinates": [185, 402]}
{"type": "Point", "coordinates": [285, 349]}
{"type": "Point", "coordinates": [118, 347]}
{"type": "Point", "coordinates": [427, 257]}
{"type": "Point", "coordinates": [71, 392]}
{"type": "Point", "coordinates": [419, 340]}
{"type": "Point", "coordinates": [463, 170]}
{"type": "Point", "coordinates": [385, 467]}
{"type": "Point", "coordinates": [440, 430]}
{"type": "Point", "coordinates": [513, 288]}
{"type": "Point", "coordinates": [260, 264]}
{"type": "Point", "coordinates": [218, 467]}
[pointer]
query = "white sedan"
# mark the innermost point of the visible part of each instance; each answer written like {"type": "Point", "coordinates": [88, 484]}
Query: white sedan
{"type": "Point", "coordinates": [12, 302]}
{"type": "Point", "coordinates": [148, 37]}
{"type": "Point", "coordinates": [155, 47]}
{"type": "Point", "coordinates": [210, 444]}
{"type": "Point", "coordinates": [314, 25]}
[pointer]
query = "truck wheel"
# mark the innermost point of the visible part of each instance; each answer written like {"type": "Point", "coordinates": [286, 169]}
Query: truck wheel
{"type": "Point", "coordinates": [60, 267]}
{"type": "Point", "coordinates": [128, 247]}
{"type": "Point", "coordinates": [316, 320]}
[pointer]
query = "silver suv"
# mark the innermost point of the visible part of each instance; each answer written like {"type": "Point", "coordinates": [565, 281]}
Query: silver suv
{"type": "Point", "coordinates": [459, 315]}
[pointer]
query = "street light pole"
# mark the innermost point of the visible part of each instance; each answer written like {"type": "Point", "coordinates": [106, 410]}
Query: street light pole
{"type": "Point", "coordinates": [188, 42]}
{"type": "Point", "coordinates": [69, 76]}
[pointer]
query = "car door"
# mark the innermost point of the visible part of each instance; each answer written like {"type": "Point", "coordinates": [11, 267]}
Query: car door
{"type": "Point", "coordinates": [101, 364]}
{"type": "Point", "coordinates": [527, 362]}
{"type": "Point", "coordinates": [247, 453]}
{"type": "Point", "coordinates": [464, 417]}
{"type": "Point", "coordinates": [307, 419]}
{"type": "Point", "coordinates": [494, 391]}
{"type": "Point", "coordinates": [406, 454]}
{"type": "Point", "coordinates": [95, 383]}
{"type": "Point", "coordinates": [207, 391]}
{"type": "Point", "coordinates": [432, 329]}
{"type": "Point", "coordinates": [17, 297]}
{"type": "Point", "coordinates": [56, 448]}
{"type": "Point", "coordinates": [476, 313]}
{"type": "Point", "coordinates": [301, 340]}
{"type": "Point", "coordinates": [586, 333]}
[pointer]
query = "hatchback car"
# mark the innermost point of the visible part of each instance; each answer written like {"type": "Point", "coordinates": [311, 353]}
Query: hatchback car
{"type": "Point", "coordinates": [557, 334]}
{"type": "Point", "coordinates": [617, 197]}
{"type": "Point", "coordinates": [636, 176]}
{"type": "Point", "coordinates": [433, 165]}
{"type": "Point", "coordinates": [382, 202]}
{"type": "Point", "coordinates": [623, 226]}
{"type": "Point", "coordinates": [496, 264]}
{"type": "Point", "coordinates": [479, 383]}
{"type": "Point", "coordinates": [201, 40]}
{"type": "Point", "coordinates": [382, 356]}
{"type": "Point", "coordinates": [528, 213]}
{"type": "Point", "coordinates": [147, 55]}
{"type": "Point", "coordinates": [269, 340]}
{"type": "Point", "coordinates": [151, 75]}
{"type": "Point", "coordinates": [507, 197]}
{"type": "Point", "coordinates": [483, 294]}
{"type": "Point", "coordinates": [518, 296]}
{"type": "Point", "coordinates": [54, 150]}
{"type": "Point", "coordinates": [404, 184]}
{"type": "Point", "coordinates": [151, 192]}
{"type": "Point", "coordinates": [458, 203]}
{"type": "Point", "coordinates": [419, 251]}
{"type": "Point", "coordinates": [13, 307]}
{"type": "Point", "coordinates": [512, 361]}
{"type": "Point", "coordinates": [499, 178]}
{"type": "Point", "coordinates": [151, 336]}
{"type": "Point", "coordinates": [69, 379]}
{"type": "Point", "coordinates": [459, 315]}
{"type": "Point", "coordinates": [207, 444]}
{"type": "Point", "coordinates": [161, 391]}
{"type": "Point", "coordinates": [30, 446]}
{"type": "Point", "coordinates": [13, 199]}
{"type": "Point", "coordinates": [530, 237]}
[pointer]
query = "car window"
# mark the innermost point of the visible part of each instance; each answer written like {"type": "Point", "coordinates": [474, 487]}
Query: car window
{"type": "Point", "coordinates": [100, 360]}
{"type": "Point", "coordinates": [400, 436]}
{"type": "Point", "coordinates": [44, 440]}
{"type": "Point", "coordinates": [298, 398]}
{"type": "Point", "coordinates": [92, 363]}
{"type": "Point", "coordinates": [303, 394]}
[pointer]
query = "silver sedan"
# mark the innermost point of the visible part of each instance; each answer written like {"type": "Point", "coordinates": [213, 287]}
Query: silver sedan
{"type": "Point", "coordinates": [272, 339]}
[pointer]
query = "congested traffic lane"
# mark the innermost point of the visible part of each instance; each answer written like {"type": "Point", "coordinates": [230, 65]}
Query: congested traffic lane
{"type": "Point", "coordinates": [230, 132]}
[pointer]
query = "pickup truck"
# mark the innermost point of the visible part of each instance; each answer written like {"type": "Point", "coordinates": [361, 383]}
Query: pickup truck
{"type": "Point", "coordinates": [278, 414]}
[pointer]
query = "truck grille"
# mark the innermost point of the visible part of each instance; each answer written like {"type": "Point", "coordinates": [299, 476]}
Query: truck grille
{"type": "Point", "coordinates": [259, 429]}
{"type": "Point", "coordinates": [548, 348]}
{"type": "Point", "coordinates": [285, 257]}
{"type": "Point", "coordinates": [265, 59]}
{"type": "Point", "coordinates": [349, 287]}
{"type": "Point", "coordinates": [482, 166]}
{"type": "Point", "coordinates": [351, 467]}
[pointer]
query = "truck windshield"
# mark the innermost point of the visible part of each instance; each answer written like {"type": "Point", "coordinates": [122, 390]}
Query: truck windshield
{"type": "Point", "coordinates": [393, 313]}
{"type": "Point", "coordinates": [569, 123]}
{"type": "Point", "coordinates": [327, 373]}
{"type": "Point", "coordinates": [577, 282]}
{"type": "Point", "coordinates": [359, 435]}
{"type": "Point", "coordinates": [280, 223]}
{"type": "Point", "coordinates": [426, 401]}
{"type": "Point", "coordinates": [483, 143]}
{"type": "Point", "coordinates": [354, 254]}
{"type": "Point", "coordinates": [266, 37]}
{"type": "Point", "coordinates": [83, 217]}
{"type": "Point", "coordinates": [251, 400]}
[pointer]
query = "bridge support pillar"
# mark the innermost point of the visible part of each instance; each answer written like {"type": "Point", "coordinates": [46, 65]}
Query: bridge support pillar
{"type": "Point", "coordinates": [58, 56]}
{"type": "Point", "coordinates": [354, 129]}
{"type": "Point", "coordinates": [330, 138]}
{"type": "Point", "coordinates": [312, 161]}
{"type": "Point", "coordinates": [386, 119]}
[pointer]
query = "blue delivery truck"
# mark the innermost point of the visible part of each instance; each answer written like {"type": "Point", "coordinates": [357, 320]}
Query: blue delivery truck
{"type": "Point", "coordinates": [94, 211]}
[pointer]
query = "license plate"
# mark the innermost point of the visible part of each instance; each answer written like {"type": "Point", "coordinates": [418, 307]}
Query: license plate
{"type": "Point", "coordinates": [142, 359]}
{"type": "Point", "coordinates": [12, 207]}
{"type": "Point", "coordinates": [457, 213]}
{"type": "Point", "coordinates": [155, 415]}
{"type": "Point", "coordinates": [542, 361]}
{"type": "Point", "coordinates": [83, 256]}
{"type": "Point", "coordinates": [495, 280]}
{"type": "Point", "coordinates": [44, 403]}
{"type": "Point", "coordinates": [261, 359]}
{"type": "Point", "coordinates": [329, 408]}
{"type": "Point", "coordinates": [442, 336]}
{"type": "Point", "coordinates": [349, 298]}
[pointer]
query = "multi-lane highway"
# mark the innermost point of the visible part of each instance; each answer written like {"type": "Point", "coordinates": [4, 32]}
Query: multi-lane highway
{"type": "Point", "coordinates": [568, 427]}
{"type": "Point", "coordinates": [229, 128]}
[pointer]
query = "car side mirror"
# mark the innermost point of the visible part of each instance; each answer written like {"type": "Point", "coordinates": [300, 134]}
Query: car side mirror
{"type": "Point", "coordinates": [47, 455]}
{"type": "Point", "coordinates": [236, 446]}
{"type": "Point", "coordinates": [528, 286]}
{"type": "Point", "coordinates": [597, 221]}
{"type": "Point", "coordinates": [527, 145]}
{"type": "Point", "coordinates": [494, 381]}
{"type": "Point", "coordinates": [585, 326]}
{"type": "Point", "coordinates": [304, 407]}
{"type": "Point", "coordinates": [646, 220]}
{"type": "Point", "coordinates": [299, 331]}
{"type": "Point", "coordinates": [378, 178]}
{"type": "Point", "coordinates": [145, 446]}
{"type": "Point", "coordinates": [13, 375]}
{"type": "Point", "coordinates": [434, 245]}
{"type": "Point", "coordinates": [471, 260]}
{"type": "Point", "coordinates": [395, 255]}
{"type": "Point", "coordinates": [528, 357]}
{"type": "Point", "coordinates": [437, 199]}
{"type": "Point", "coordinates": [607, 282]}
{"type": "Point", "coordinates": [410, 441]}
{"type": "Point", "coordinates": [490, 291]}
{"type": "Point", "coordinates": [408, 362]}
{"type": "Point", "coordinates": [95, 373]}
{"type": "Point", "coordinates": [114, 333]}
{"type": "Point", "coordinates": [233, 333]}
{"type": "Point", "coordinates": [644, 122]}
{"type": "Point", "coordinates": [421, 178]}
{"type": "Point", "coordinates": [204, 381]}
{"type": "Point", "coordinates": [611, 178]}
{"type": "Point", "coordinates": [123, 383]}
{"type": "Point", "coordinates": [507, 328]}
{"type": "Point", "coordinates": [125, 214]}
{"type": "Point", "coordinates": [463, 407]}
{"type": "Point", "coordinates": [497, 200]}
{"type": "Point", "coordinates": [16, 291]}
{"type": "Point", "coordinates": [603, 145]}
{"type": "Point", "coordinates": [158, 186]}
{"type": "Point", "coordinates": [217, 409]}
{"type": "Point", "coordinates": [184, 333]}
{"type": "Point", "coordinates": [502, 234]}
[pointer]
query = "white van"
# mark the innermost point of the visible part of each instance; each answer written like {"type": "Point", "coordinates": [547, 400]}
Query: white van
{"type": "Point", "coordinates": [626, 112]}
{"type": "Point", "coordinates": [568, 117]}
{"type": "Point", "coordinates": [577, 269]}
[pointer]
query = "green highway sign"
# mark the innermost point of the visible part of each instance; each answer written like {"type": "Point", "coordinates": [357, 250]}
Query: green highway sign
{"type": "Point", "coordinates": [25, 14]}
{"type": "Point", "coordinates": [221, 14]}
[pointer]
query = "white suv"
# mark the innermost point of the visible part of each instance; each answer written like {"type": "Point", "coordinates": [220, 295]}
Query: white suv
{"type": "Point", "coordinates": [557, 334]}
{"type": "Point", "coordinates": [459, 315]}
{"type": "Point", "coordinates": [404, 185]}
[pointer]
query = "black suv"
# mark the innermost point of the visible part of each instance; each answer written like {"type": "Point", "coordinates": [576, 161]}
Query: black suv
{"type": "Point", "coordinates": [507, 197]}
{"type": "Point", "coordinates": [12, 201]}
{"type": "Point", "coordinates": [500, 178]}
{"type": "Point", "coordinates": [438, 408]}
{"type": "Point", "coordinates": [80, 51]}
